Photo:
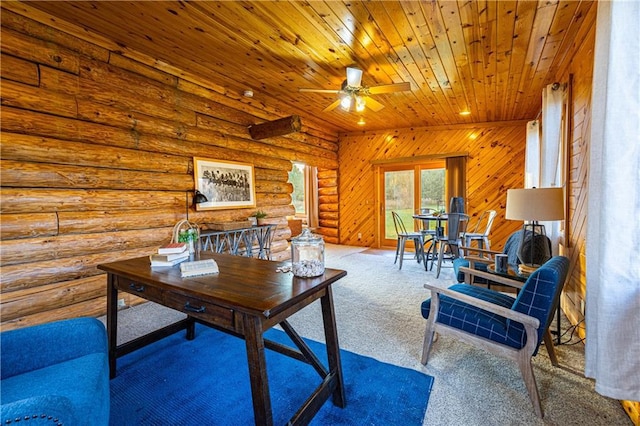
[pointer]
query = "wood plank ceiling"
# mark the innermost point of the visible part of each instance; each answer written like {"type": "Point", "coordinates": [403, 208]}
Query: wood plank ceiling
{"type": "Point", "coordinates": [491, 58]}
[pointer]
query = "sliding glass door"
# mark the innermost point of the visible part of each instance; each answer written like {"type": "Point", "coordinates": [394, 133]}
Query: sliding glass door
{"type": "Point", "coordinates": [406, 190]}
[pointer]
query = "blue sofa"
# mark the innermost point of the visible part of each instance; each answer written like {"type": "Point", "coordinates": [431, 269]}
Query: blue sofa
{"type": "Point", "coordinates": [55, 373]}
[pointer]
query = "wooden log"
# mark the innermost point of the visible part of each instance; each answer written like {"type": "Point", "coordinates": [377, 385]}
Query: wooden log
{"type": "Point", "coordinates": [58, 81]}
{"type": "Point", "coordinates": [269, 174]}
{"type": "Point", "coordinates": [333, 190]}
{"type": "Point", "coordinates": [52, 296]}
{"type": "Point", "coordinates": [91, 308]}
{"type": "Point", "coordinates": [19, 70]}
{"type": "Point", "coordinates": [38, 51]}
{"type": "Point", "coordinates": [35, 123]}
{"type": "Point", "coordinates": [331, 240]}
{"type": "Point", "coordinates": [110, 221]}
{"type": "Point", "coordinates": [20, 200]}
{"type": "Point", "coordinates": [48, 32]}
{"type": "Point", "coordinates": [134, 66]}
{"type": "Point", "coordinates": [22, 147]}
{"type": "Point", "coordinates": [281, 256]}
{"type": "Point", "coordinates": [327, 183]}
{"type": "Point", "coordinates": [328, 208]}
{"type": "Point", "coordinates": [329, 215]}
{"type": "Point", "coordinates": [327, 174]}
{"type": "Point", "coordinates": [33, 98]}
{"type": "Point", "coordinates": [329, 232]}
{"type": "Point", "coordinates": [28, 175]}
{"type": "Point", "coordinates": [64, 246]}
{"type": "Point", "coordinates": [17, 277]}
{"type": "Point", "coordinates": [131, 120]}
{"type": "Point", "coordinates": [328, 199]}
{"type": "Point", "coordinates": [232, 215]}
{"type": "Point", "coordinates": [279, 127]}
{"type": "Point", "coordinates": [326, 223]}
{"type": "Point", "coordinates": [274, 187]}
{"type": "Point", "coordinates": [13, 226]}
{"type": "Point", "coordinates": [264, 199]}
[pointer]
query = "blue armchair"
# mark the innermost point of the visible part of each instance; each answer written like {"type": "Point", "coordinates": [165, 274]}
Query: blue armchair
{"type": "Point", "coordinates": [498, 323]}
{"type": "Point", "coordinates": [55, 373]}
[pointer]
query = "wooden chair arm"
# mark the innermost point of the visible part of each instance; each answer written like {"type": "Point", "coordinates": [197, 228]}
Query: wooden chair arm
{"type": "Point", "coordinates": [478, 259]}
{"type": "Point", "coordinates": [483, 304]}
{"type": "Point", "coordinates": [492, 277]}
{"type": "Point", "coordinates": [466, 249]}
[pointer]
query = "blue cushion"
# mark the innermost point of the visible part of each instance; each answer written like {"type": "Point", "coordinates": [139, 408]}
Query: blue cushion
{"type": "Point", "coordinates": [478, 321]}
{"type": "Point", "coordinates": [539, 296]}
{"type": "Point", "coordinates": [59, 369]}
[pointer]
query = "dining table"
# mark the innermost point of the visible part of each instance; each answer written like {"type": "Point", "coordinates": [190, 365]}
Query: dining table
{"type": "Point", "coordinates": [431, 254]}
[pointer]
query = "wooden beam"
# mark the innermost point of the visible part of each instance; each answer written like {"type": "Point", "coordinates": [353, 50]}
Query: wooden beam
{"type": "Point", "coordinates": [279, 127]}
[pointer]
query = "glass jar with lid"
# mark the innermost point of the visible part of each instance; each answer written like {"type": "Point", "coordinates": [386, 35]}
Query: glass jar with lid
{"type": "Point", "coordinates": [307, 255]}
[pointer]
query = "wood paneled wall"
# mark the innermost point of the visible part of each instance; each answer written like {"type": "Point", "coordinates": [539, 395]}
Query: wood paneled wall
{"type": "Point", "coordinates": [495, 163]}
{"type": "Point", "coordinates": [97, 164]}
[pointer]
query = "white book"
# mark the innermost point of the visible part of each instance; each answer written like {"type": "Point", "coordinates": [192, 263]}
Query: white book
{"type": "Point", "coordinates": [198, 267]}
{"type": "Point", "coordinates": [172, 248]}
{"type": "Point", "coordinates": [163, 263]}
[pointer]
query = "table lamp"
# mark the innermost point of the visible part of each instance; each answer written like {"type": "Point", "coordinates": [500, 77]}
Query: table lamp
{"type": "Point", "coordinates": [533, 205]}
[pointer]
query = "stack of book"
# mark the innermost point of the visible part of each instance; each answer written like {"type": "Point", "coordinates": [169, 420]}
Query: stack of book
{"type": "Point", "coordinates": [170, 255]}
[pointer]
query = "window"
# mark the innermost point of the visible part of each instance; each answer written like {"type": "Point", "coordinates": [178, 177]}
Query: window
{"type": "Point", "coordinates": [297, 178]}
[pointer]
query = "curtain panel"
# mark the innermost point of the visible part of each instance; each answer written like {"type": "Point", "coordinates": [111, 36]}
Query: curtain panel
{"type": "Point", "coordinates": [613, 233]}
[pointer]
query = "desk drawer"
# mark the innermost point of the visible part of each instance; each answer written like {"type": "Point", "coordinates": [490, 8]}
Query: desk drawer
{"type": "Point", "coordinates": [197, 308]}
{"type": "Point", "coordinates": [151, 293]}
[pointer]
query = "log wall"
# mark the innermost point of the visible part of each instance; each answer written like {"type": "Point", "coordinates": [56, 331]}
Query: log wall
{"type": "Point", "coordinates": [97, 164]}
{"type": "Point", "coordinates": [495, 163]}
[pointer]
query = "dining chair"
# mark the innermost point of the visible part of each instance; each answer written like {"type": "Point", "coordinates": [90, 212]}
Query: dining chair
{"type": "Point", "coordinates": [480, 235]}
{"type": "Point", "coordinates": [456, 227]}
{"type": "Point", "coordinates": [403, 237]}
{"type": "Point", "coordinates": [511, 327]}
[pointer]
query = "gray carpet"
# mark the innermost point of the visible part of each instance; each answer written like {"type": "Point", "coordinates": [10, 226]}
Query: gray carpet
{"type": "Point", "coordinates": [378, 315]}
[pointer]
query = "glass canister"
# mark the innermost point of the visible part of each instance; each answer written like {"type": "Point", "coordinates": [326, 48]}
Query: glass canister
{"type": "Point", "coordinates": [307, 255]}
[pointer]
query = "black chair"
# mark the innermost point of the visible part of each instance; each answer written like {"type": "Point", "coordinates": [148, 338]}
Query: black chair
{"type": "Point", "coordinates": [456, 226]}
{"type": "Point", "coordinates": [403, 237]}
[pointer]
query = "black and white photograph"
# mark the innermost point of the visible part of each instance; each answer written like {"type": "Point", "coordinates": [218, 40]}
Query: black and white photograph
{"type": "Point", "coordinates": [226, 184]}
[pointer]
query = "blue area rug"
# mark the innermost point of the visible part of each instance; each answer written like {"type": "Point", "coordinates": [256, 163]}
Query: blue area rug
{"type": "Point", "coordinates": [206, 381]}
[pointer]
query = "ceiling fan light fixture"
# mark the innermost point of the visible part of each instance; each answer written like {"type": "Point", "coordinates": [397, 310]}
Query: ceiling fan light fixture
{"type": "Point", "coordinates": [345, 102]}
{"type": "Point", "coordinates": [360, 103]}
{"type": "Point", "coordinates": [361, 122]}
{"type": "Point", "coordinates": [465, 112]}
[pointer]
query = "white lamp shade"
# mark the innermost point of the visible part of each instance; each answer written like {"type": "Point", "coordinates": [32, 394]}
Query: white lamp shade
{"type": "Point", "coordinates": [539, 204]}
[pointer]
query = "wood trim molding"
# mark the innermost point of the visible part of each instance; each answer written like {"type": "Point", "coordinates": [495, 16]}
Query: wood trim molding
{"type": "Point", "coordinates": [418, 159]}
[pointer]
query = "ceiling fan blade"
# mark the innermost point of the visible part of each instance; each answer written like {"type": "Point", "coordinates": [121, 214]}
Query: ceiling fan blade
{"type": "Point", "coordinates": [332, 106]}
{"type": "Point", "coordinates": [354, 77]}
{"type": "Point", "coordinates": [372, 104]}
{"type": "Point", "coordinates": [333, 91]}
{"type": "Point", "coordinates": [390, 88]}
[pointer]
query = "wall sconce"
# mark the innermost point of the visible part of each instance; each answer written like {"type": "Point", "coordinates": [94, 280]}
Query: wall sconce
{"type": "Point", "coordinates": [199, 197]}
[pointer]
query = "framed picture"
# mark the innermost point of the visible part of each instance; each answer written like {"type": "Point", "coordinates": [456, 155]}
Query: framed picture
{"type": "Point", "coordinates": [226, 184]}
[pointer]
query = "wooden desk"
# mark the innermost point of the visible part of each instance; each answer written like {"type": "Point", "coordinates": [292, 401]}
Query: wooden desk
{"type": "Point", "coordinates": [245, 299]}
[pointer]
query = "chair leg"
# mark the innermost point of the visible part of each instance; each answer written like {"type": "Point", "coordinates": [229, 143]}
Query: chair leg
{"type": "Point", "coordinates": [402, 243]}
{"type": "Point", "coordinates": [440, 256]}
{"type": "Point", "coordinates": [526, 369]}
{"type": "Point", "coordinates": [548, 343]}
{"type": "Point", "coordinates": [428, 342]}
{"type": "Point", "coordinates": [397, 251]}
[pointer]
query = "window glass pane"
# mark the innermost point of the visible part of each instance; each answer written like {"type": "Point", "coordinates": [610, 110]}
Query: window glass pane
{"type": "Point", "coordinates": [398, 193]}
{"type": "Point", "coordinates": [296, 178]}
{"type": "Point", "coordinates": [432, 189]}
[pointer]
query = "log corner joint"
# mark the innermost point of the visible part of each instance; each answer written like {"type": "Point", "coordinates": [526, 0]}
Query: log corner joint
{"type": "Point", "coordinates": [282, 126]}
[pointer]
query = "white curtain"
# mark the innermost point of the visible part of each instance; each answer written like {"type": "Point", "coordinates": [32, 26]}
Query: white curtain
{"type": "Point", "coordinates": [612, 351]}
{"type": "Point", "coordinates": [551, 150]}
{"type": "Point", "coordinates": [532, 155]}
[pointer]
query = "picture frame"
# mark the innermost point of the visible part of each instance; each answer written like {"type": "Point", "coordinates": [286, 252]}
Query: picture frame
{"type": "Point", "coordinates": [226, 184]}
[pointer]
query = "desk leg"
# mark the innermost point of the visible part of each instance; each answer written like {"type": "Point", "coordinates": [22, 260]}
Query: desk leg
{"type": "Point", "coordinates": [333, 348]}
{"type": "Point", "coordinates": [257, 370]}
{"type": "Point", "coordinates": [112, 322]}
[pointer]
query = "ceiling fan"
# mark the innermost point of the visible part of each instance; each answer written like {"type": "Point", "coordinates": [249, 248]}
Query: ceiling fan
{"type": "Point", "coordinates": [354, 96]}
